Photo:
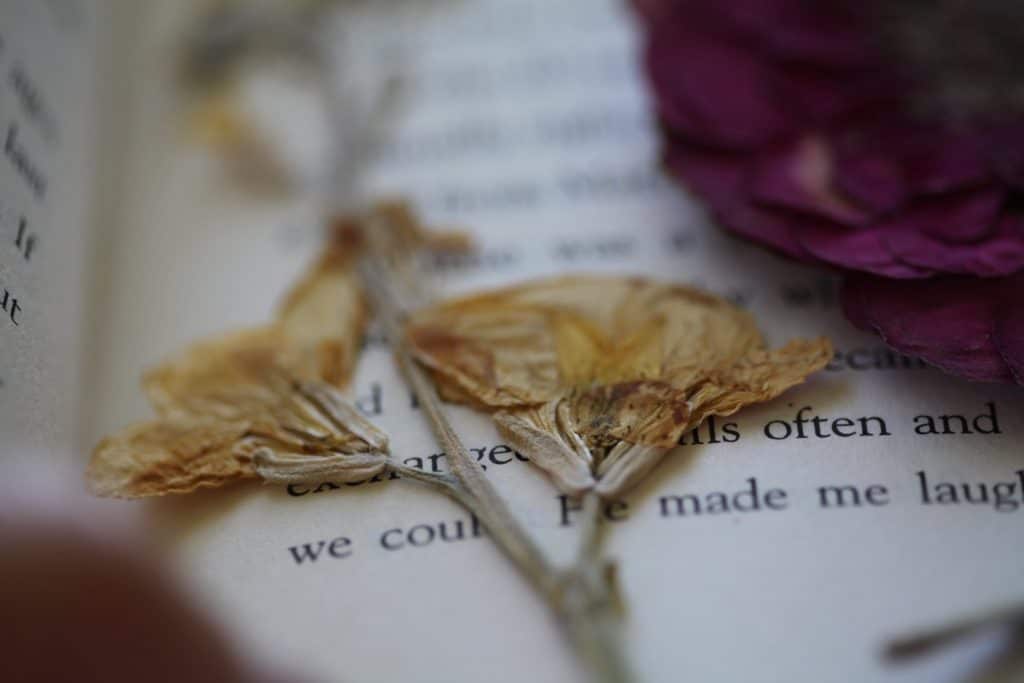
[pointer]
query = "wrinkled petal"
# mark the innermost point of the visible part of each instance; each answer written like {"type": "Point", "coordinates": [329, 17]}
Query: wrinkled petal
{"type": "Point", "coordinates": [835, 163]}
{"type": "Point", "coordinates": [799, 177]}
{"type": "Point", "coordinates": [270, 390]}
{"type": "Point", "coordinates": [866, 250]}
{"type": "Point", "coordinates": [713, 91]}
{"type": "Point", "coordinates": [759, 376]}
{"type": "Point", "coordinates": [717, 177]}
{"type": "Point", "coordinates": [324, 317]}
{"type": "Point", "coordinates": [1004, 146]}
{"type": "Point", "coordinates": [156, 458]}
{"type": "Point", "coordinates": [920, 242]}
{"type": "Point", "coordinates": [1001, 253]}
{"type": "Point", "coordinates": [885, 163]}
{"type": "Point", "coordinates": [181, 452]}
{"type": "Point", "coordinates": [971, 327]}
{"type": "Point", "coordinates": [595, 378]}
{"type": "Point", "coordinates": [827, 35]}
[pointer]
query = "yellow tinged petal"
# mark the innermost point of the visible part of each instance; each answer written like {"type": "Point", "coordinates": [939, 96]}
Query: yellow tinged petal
{"type": "Point", "coordinates": [270, 390]}
{"type": "Point", "coordinates": [324, 318]}
{"type": "Point", "coordinates": [316, 337]}
{"type": "Point", "coordinates": [630, 364]}
{"type": "Point", "coordinates": [228, 377]}
{"type": "Point", "coordinates": [760, 376]}
{"type": "Point", "coordinates": [156, 458]}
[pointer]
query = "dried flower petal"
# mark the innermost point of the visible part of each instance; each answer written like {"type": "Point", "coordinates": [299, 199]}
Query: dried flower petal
{"type": "Point", "coordinates": [876, 145]}
{"type": "Point", "coordinates": [263, 402]}
{"type": "Point", "coordinates": [972, 327]}
{"type": "Point", "coordinates": [596, 378]}
{"type": "Point", "coordinates": [316, 337]}
{"type": "Point", "coordinates": [154, 458]}
{"type": "Point", "coordinates": [182, 453]}
{"type": "Point", "coordinates": [325, 316]}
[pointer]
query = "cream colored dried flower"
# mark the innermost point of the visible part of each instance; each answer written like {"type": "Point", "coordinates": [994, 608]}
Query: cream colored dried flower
{"type": "Point", "coordinates": [596, 378]}
{"type": "Point", "coordinates": [264, 402]}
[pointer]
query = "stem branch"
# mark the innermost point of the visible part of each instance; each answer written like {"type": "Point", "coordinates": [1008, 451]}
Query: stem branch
{"type": "Point", "coordinates": [591, 605]}
{"type": "Point", "coordinates": [582, 598]}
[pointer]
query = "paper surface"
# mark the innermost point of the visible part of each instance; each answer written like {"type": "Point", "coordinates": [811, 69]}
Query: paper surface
{"type": "Point", "coordinates": [527, 125]}
{"type": "Point", "coordinates": [47, 57]}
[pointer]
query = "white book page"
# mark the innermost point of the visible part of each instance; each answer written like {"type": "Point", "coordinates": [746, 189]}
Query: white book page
{"type": "Point", "coordinates": [47, 57]}
{"type": "Point", "coordinates": [528, 125]}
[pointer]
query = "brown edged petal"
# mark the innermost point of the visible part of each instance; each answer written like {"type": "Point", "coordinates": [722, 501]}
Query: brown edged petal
{"type": "Point", "coordinates": [324, 317]}
{"type": "Point", "coordinates": [305, 432]}
{"type": "Point", "coordinates": [231, 377]}
{"type": "Point", "coordinates": [596, 378]}
{"type": "Point", "coordinates": [760, 376]}
{"type": "Point", "coordinates": [160, 457]}
{"type": "Point", "coordinates": [524, 345]}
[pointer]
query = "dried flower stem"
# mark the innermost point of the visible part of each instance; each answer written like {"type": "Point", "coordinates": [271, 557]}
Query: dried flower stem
{"type": "Point", "coordinates": [582, 597]}
{"type": "Point", "coordinates": [595, 612]}
{"type": "Point", "coordinates": [444, 483]}
{"type": "Point", "coordinates": [924, 643]}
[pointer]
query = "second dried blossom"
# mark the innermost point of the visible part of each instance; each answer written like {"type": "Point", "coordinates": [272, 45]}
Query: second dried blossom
{"type": "Point", "coordinates": [265, 402]}
{"type": "Point", "coordinates": [596, 378]}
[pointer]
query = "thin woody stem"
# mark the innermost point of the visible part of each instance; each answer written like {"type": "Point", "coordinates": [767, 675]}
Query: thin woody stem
{"type": "Point", "coordinates": [447, 485]}
{"type": "Point", "coordinates": [487, 502]}
{"type": "Point", "coordinates": [594, 639]}
{"type": "Point", "coordinates": [591, 538]}
{"type": "Point", "coordinates": [581, 598]}
{"type": "Point", "coordinates": [922, 643]}
{"type": "Point", "coordinates": [591, 604]}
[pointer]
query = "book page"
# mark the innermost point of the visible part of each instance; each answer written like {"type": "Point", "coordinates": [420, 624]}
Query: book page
{"type": "Point", "coordinates": [527, 124]}
{"type": "Point", "coordinates": [47, 57]}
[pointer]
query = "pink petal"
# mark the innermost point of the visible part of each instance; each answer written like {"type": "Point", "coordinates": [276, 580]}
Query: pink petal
{"type": "Point", "coordinates": [999, 254]}
{"type": "Point", "coordinates": [799, 177]}
{"type": "Point", "coordinates": [954, 219]}
{"type": "Point", "coordinates": [884, 163]}
{"type": "Point", "coordinates": [971, 327]}
{"type": "Point", "coordinates": [825, 35]}
{"type": "Point", "coordinates": [717, 177]}
{"type": "Point", "coordinates": [713, 92]}
{"type": "Point", "coordinates": [865, 250]}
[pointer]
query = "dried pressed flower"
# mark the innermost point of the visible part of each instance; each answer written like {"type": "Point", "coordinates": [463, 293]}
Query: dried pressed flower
{"type": "Point", "coordinates": [261, 402]}
{"type": "Point", "coordinates": [879, 138]}
{"type": "Point", "coordinates": [972, 327]}
{"type": "Point", "coordinates": [268, 390]}
{"type": "Point", "coordinates": [596, 378]}
{"type": "Point", "coordinates": [291, 94]}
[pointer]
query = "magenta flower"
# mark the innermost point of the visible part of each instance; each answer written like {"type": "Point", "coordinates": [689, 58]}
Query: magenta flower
{"type": "Point", "coordinates": [789, 119]}
{"type": "Point", "coordinates": [973, 327]}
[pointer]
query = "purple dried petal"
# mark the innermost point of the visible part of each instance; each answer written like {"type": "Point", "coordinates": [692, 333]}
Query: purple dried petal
{"type": "Point", "coordinates": [873, 180]}
{"type": "Point", "coordinates": [717, 176]}
{"type": "Point", "coordinates": [971, 327]}
{"type": "Point", "coordinates": [820, 98]}
{"type": "Point", "coordinates": [1004, 146]}
{"type": "Point", "coordinates": [1000, 254]}
{"type": "Point", "coordinates": [865, 250]}
{"type": "Point", "coordinates": [799, 177]}
{"type": "Point", "coordinates": [945, 162]}
{"type": "Point", "coordinates": [957, 219]}
{"type": "Point", "coordinates": [798, 31]}
{"type": "Point", "coordinates": [1008, 338]}
{"type": "Point", "coordinates": [886, 163]}
{"type": "Point", "coordinates": [919, 242]}
{"type": "Point", "coordinates": [713, 92]}
{"type": "Point", "coordinates": [786, 119]}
